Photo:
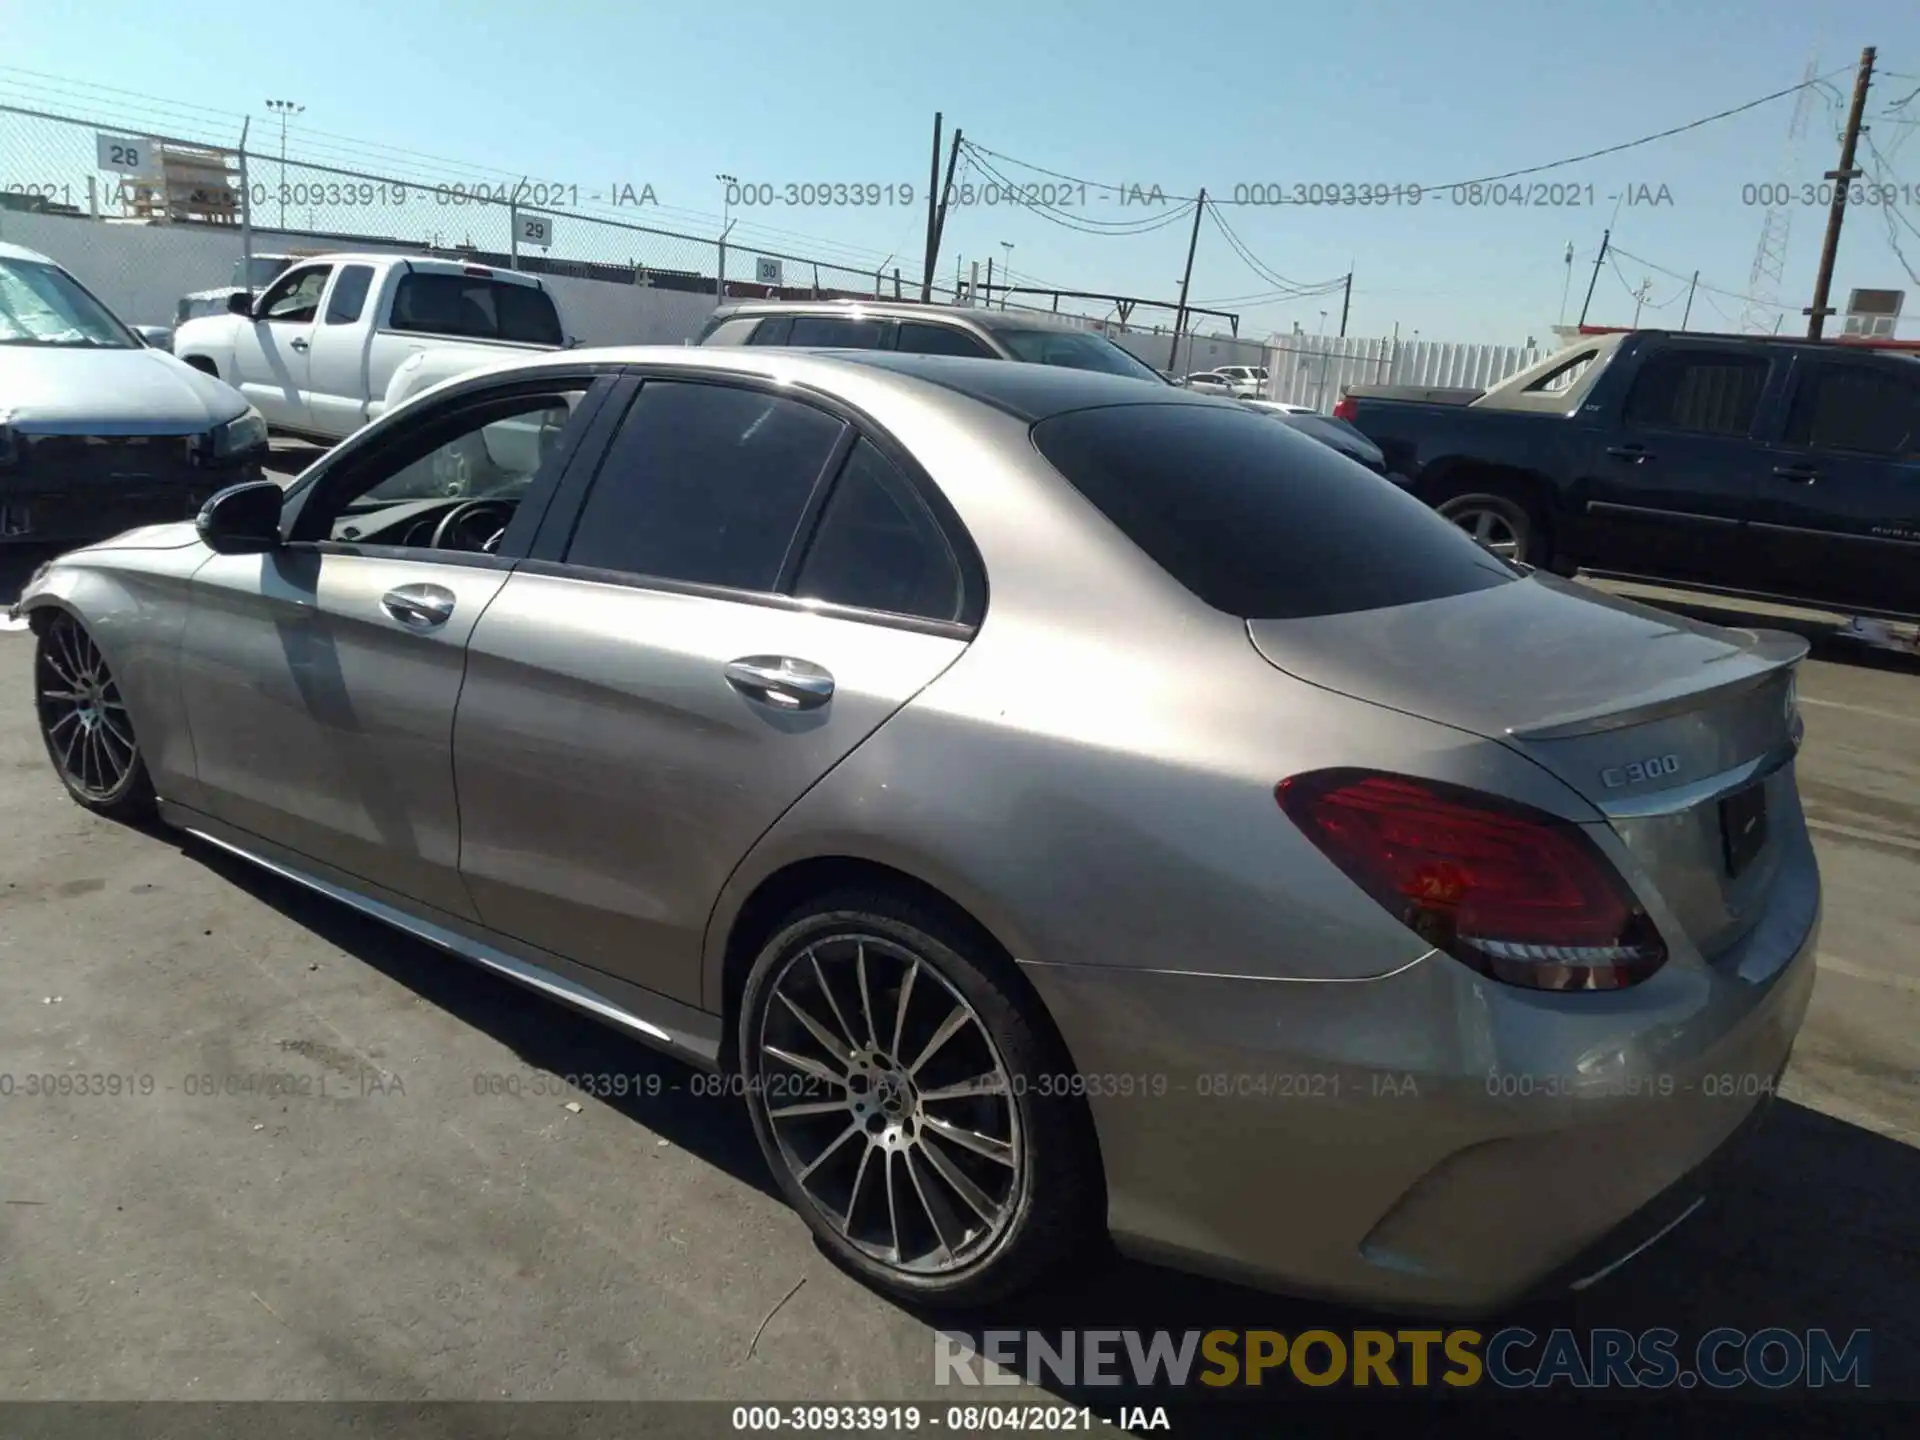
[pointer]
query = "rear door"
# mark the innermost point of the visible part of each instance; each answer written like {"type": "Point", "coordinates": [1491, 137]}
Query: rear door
{"type": "Point", "coordinates": [747, 589]}
{"type": "Point", "coordinates": [271, 352]}
{"type": "Point", "coordinates": [1669, 487]}
{"type": "Point", "coordinates": [1837, 518]}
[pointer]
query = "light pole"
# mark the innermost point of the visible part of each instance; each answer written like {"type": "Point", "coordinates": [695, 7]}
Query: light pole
{"type": "Point", "coordinates": [284, 108]}
{"type": "Point", "coordinates": [1566, 285]}
{"type": "Point", "coordinates": [1006, 264]}
{"type": "Point", "coordinates": [728, 184]}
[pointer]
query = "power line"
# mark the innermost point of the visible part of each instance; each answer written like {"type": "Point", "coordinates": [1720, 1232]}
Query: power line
{"type": "Point", "coordinates": [1482, 179]}
{"type": "Point", "coordinates": [1714, 289]}
{"type": "Point", "coordinates": [1065, 218]}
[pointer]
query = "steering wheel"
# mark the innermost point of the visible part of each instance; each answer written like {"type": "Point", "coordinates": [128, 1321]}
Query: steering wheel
{"type": "Point", "coordinates": [475, 525]}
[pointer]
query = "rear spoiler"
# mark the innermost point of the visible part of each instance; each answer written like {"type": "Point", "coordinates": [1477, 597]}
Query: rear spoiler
{"type": "Point", "coordinates": [1771, 652]}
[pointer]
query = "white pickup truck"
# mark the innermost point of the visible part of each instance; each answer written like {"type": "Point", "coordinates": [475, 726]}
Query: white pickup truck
{"type": "Point", "coordinates": [331, 344]}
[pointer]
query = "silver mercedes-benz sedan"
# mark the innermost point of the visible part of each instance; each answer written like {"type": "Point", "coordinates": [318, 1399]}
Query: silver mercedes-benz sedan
{"type": "Point", "coordinates": [1065, 806]}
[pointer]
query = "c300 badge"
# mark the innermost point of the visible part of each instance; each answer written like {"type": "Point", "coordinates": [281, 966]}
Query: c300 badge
{"type": "Point", "coordinates": [1654, 767]}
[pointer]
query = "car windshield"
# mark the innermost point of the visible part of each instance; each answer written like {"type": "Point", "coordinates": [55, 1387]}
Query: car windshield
{"type": "Point", "coordinates": [1076, 350]}
{"type": "Point", "coordinates": [41, 304]}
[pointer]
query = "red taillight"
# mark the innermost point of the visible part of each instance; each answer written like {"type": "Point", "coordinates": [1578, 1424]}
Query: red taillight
{"type": "Point", "coordinates": [1346, 408]}
{"type": "Point", "coordinates": [1516, 893]}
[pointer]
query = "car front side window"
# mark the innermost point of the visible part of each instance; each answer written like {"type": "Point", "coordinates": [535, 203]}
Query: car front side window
{"type": "Point", "coordinates": [294, 298]}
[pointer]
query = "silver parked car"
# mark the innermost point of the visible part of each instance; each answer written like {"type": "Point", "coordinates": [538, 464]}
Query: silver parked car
{"type": "Point", "coordinates": [1069, 806]}
{"type": "Point", "coordinates": [100, 428]}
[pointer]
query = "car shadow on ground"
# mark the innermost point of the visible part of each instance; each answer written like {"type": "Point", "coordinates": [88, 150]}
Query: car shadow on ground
{"type": "Point", "coordinates": [1813, 1227]}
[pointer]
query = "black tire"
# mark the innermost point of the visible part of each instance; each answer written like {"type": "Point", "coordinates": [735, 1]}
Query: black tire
{"type": "Point", "coordinates": [93, 746]}
{"type": "Point", "coordinates": [1053, 1203]}
{"type": "Point", "coordinates": [1529, 540]}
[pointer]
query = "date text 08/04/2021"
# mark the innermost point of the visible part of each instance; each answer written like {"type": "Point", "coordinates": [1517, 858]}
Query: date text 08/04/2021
{"type": "Point", "coordinates": [953, 1419]}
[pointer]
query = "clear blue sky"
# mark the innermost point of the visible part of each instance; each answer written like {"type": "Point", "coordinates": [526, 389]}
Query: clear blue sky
{"type": "Point", "coordinates": [1119, 92]}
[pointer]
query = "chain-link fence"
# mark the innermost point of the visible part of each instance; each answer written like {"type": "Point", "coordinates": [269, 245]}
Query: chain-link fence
{"type": "Point", "coordinates": [159, 226]}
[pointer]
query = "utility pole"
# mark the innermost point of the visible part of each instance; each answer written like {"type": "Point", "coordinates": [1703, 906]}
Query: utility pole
{"type": "Point", "coordinates": [1692, 285]}
{"type": "Point", "coordinates": [989, 299]}
{"type": "Point", "coordinates": [1593, 279]}
{"type": "Point", "coordinates": [940, 221]}
{"type": "Point", "coordinates": [1566, 285]}
{"type": "Point", "coordinates": [1346, 300]}
{"type": "Point", "coordinates": [933, 214]}
{"type": "Point", "coordinates": [1640, 298]}
{"type": "Point", "coordinates": [1843, 177]}
{"type": "Point", "coordinates": [1186, 279]}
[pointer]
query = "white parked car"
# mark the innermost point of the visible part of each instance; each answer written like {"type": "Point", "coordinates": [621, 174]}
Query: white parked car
{"type": "Point", "coordinates": [1207, 382]}
{"type": "Point", "coordinates": [318, 352]}
{"type": "Point", "coordinates": [1249, 382]}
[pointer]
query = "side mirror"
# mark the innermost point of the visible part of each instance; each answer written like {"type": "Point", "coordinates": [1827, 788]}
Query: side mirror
{"type": "Point", "coordinates": [242, 519]}
{"type": "Point", "coordinates": [573, 342]}
{"type": "Point", "coordinates": [240, 303]}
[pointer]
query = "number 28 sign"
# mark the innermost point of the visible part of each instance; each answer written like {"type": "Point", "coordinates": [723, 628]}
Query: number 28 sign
{"type": "Point", "coordinates": [126, 154]}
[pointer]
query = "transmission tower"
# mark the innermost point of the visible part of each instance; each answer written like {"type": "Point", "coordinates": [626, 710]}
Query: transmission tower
{"type": "Point", "coordinates": [1770, 259]}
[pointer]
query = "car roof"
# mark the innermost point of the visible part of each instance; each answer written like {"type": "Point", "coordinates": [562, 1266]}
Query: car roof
{"type": "Point", "coordinates": [1026, 392]}
{"type": "Point", "coordinates": [20, 252]}
{"type": "Point", "coordinates": [981, 317]}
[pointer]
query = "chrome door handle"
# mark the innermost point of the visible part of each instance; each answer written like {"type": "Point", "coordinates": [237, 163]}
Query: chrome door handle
{"type": "Point", "coordinates": [298, 343]}
{"type": "Point", "coordinates": [419, 607]}
{"type": "Point", "coordinates": [1803, 474]}
{"type": "Point", "coordinates": [781, 681]}
{"type": "Point", "coordinates": [1639, 455]}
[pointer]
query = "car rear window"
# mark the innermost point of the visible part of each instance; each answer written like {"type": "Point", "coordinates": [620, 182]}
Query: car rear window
{"type": "Point", "coordinates": [475, 307]}
{"type": "Point", "coordinates": [1256, 519]}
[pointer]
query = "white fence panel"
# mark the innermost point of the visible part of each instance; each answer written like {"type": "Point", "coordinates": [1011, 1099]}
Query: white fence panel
{"type": "Point", "coordinates": [1316, 369]}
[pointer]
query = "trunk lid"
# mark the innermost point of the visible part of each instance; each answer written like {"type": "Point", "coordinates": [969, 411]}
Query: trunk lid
{"type": "Point", "coordinates": [1653, 718]}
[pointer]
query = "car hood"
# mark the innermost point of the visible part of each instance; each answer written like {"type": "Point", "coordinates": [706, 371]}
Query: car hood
{"type": "Point", "coordinates": [74, 390]}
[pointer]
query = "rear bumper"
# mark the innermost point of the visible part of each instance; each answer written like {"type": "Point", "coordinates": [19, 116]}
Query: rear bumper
{"type": "Point", "coordinates": [1430, 1140]}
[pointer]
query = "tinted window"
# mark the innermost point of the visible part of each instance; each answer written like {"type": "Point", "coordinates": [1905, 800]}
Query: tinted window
{"type": "Point", "coordinates": [1699, 391]}
{"type": "Point", "coordinates": [704, 483]}
{"type": "Point", "coordinates": [733, 330]}
{"type": "Point", "coordinates": [878, 547]}
{"type": "Point", "coordinates": [1861, 409]}
{"type": "Point", "coordinates": [918, 339]}
{"type": "Point", "coordinates": [836, 331]}
{"type": "Point", "coordinates": [1077, 350]}
{"type": "Point", "coordinates": [349, 295]}
{"type": "Point", "coordinates": [477, 307]}
{"type": "Point", "coordinates": [773, 332]}
{"type": "Point", "coordinates": [1257, 520]}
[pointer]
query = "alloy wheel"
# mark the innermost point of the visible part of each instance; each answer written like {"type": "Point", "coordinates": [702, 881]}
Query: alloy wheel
{"type": "Point", "coordinates": [81, 712]}
{"type": "Point", "coordinates": [890, 1104]}
{"type": "Point", "coordinates": [1491, 529]}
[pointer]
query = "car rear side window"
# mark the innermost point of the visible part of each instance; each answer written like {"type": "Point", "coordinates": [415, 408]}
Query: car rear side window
{"type": "Point", "coordinates": [772, 332]}
{"type": "Point", "coordinates": [917, 338]}
{"type": "Point", "coordinates": [878, 547]}
{"type": "Point", "coordinates": [1704, 392]}
{"type": "Point", "coordinates": [349, 295]}
{"type": "Point", "coordinates": [839, 332]}
{"type": "Point", "coordinates": [1864, 409]}
{"type": "Point", "coordinates": [475, 307]}
{"type": "Point", "coordinates": [1256, 519]}
{"type": "Point", "coordinates": [704, 483]}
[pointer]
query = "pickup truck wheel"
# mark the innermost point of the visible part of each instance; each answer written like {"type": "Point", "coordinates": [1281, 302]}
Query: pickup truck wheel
{"type": "Point", "coordinates": [1504, 526]}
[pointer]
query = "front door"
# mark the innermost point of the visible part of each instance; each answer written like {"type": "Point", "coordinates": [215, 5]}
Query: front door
{"type": "Point", "coordinates": [271, 353]}
{"type": "Point", "coordinates": [1838, 513]}
{"type": "Point", "coordinates": [643, 706]}
{"type": "Point", "coordinates": [321, 677]}
{"type": "Point", "coordinates": [1669, 488]}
